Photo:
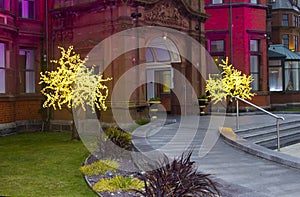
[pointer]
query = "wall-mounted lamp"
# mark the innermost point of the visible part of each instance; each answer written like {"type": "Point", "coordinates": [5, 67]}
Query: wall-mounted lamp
{"type": "Point", "coordinates": [133, 60]}
{"type": "Point", "coordinates": [136, 15]}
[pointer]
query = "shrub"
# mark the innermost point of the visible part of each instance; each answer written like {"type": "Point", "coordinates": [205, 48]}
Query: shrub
{"type": "Point", "coordinates": [154, 99]}
{"type": "Point", "coordinates": [178, 178]}
{"type": "Point", "coordinates": [119, 137]}
{"type": "Point", "coordinates": [119, 183]}
{"type": "Point", "coordinates": [99, 167]}
{"type": "Point", "coordinates": [142, 121]}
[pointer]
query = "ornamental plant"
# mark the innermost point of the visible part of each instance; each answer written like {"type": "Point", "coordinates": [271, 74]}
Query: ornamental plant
{"type": "Point", "coordinates": [100, 167]}
{"type": "Point", "coordinates": [178, 178]}
{"type": "Point", "coordinates": [231, 82]}
{"type": "Point", "coordinates": [73, 84]}
{"type": "Point", "coordinates": [119, 183]}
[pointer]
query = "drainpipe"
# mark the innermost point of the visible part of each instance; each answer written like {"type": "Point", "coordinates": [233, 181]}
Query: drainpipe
{"type": "Point", "coordinates": [230, 29]}
{"type": "Point", "coordinates": [47, 35]}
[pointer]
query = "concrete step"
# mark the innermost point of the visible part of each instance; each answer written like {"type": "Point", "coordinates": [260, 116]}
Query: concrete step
{"type": "Point", "coordinates": [266, 132]}
{"type": "Point", "coordinates": [284, 141]}
{"type": "Point", "coordinates": [271, 125]}
{"type": "Point", "coordinates": [267, 135]}
{"type": "Point", "coordinates": [288, 137]}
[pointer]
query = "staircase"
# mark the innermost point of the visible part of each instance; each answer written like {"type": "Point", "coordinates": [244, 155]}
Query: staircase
{"type": "Point", "coordinates": [266, 136]}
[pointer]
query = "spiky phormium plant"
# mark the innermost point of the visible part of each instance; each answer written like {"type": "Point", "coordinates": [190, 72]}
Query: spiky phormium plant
{"type": "Point", "coordinates": [178, 178]}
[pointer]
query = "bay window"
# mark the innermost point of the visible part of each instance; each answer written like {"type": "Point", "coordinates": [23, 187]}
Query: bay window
{"type": "Point", "coordinates": [275, 75]}
{"type": "Point", "coordinates": [285, 20]}
{"type": "Point", "coordinates": [285, 40]}
{"type": "Point", "coordinates": [292, 77]}
{"type": "Point", "coordinates": [2, 68]}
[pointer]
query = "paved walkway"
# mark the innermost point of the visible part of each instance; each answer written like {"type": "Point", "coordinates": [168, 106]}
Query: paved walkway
{"type": "Point", "coordinates": [293, 150]}
{"type": "Point", "coordinates": [240, 173]}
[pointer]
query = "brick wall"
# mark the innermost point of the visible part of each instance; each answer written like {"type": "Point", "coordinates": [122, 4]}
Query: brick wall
{"type": "Point", "coordinates": [12, 111]}
{"type": "Point", "coordinates": [28, 110]}
{"type": "Point", "coordinates": [7, 111]}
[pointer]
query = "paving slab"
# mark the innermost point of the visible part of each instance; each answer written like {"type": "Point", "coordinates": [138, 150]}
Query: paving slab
{"type": "Point", "coordinates": [240, 173]}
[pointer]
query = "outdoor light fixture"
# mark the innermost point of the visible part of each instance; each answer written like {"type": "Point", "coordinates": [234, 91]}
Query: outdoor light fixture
{"type": "Point", "coordinates": [133, 60]}
{"type": "Point", "coordinates": [197, 27]}
{"type": "Point", "coordinates": [136, 15]}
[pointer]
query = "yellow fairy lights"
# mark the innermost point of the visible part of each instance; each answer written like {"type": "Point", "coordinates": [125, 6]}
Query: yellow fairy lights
{"type": "Point", "coordinates": [231, 82]}
{"type": "Point", "coordinates": [72, 83]}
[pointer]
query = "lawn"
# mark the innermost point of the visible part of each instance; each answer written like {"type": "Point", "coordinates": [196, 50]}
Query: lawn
{"type": "Point", "coordinates": [42, 164]}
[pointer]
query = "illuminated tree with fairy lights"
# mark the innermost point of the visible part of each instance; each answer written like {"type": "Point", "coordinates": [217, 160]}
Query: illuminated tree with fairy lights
{"type": "Point", "coordinates": [231, 82]}
{"type": "Point", "coordinates": [72, 84]}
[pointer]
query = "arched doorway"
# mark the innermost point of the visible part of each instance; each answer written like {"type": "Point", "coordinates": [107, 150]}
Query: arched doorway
{"type": "Point", "coordinates": [160, 55]}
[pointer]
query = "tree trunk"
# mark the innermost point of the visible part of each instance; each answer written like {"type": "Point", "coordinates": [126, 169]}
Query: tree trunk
{"type": "Point", "coordinates": [75, 135]}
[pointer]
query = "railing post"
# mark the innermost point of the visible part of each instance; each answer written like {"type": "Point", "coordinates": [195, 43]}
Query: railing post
{"type": "Point", "coordinates": [278, 134]}
{"type": "Point", "coordinates": [237, 114]}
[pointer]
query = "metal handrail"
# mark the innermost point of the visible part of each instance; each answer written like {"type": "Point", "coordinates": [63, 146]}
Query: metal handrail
{"type": "Point", "coordinates": [261, 109]}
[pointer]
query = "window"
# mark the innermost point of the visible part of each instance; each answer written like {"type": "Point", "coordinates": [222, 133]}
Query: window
{"type": "Point", "coordinates": [2, 68]}
{"type": "Point", "coordinates": [295, 21]}
{"type": "Point", "coordinates": [26, 8]}
{"type": "Point", "coordinates": [292, 76]}
{"type": "Point", "coordinates": [285, 20]}
{"type": "Point", "coordinates": [275, 75]}
{"type": "Point", "coordinates": [217, 50]}
{"type": "Point", "coordinates": [296, 43]}
{"type": "Point", "coordinates": [285, 40]}
{"type": "Point", "coordinates": [254, 63]}
{"type": "Point", "coordinates": [217, 46]}
{"type": "Point", "coordinates": [27, 73]}
{"type": "Point", "coordinates": [2, 4]}
{"type": "Point", "coordinates": [163, 78]}
{"type": "Point", "coordinates": [217, 1]}
{"type": "Point", "coordinates": [254, 45]}
{"type": "Point", "coordinates": [254, 1]}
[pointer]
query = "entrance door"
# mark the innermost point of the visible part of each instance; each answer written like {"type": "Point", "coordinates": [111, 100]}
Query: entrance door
{"type": "Point", "coordinates": [160, 84]}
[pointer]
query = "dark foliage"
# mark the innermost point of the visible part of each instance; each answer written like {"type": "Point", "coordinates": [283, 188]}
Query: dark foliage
{"type": "Point", "coordinates": [119, 137]}
{"type": "Point", "coordinates": [179, 178]}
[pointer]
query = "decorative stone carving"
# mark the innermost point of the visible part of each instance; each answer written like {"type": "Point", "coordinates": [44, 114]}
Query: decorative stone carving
{"type": "Point", "coordinates": [166, 13]}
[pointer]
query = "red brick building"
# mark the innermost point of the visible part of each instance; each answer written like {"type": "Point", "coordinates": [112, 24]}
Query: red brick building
{"type": "Point", "coordinates": [21, 49]}
{"type": "Point", "coordinates": [70, 24]}
{"type": "Point", "coordinates": [237, 29]}
{"type": "Point", "coordinates": [31, 30]}
{"type": "Point", "coordinates": [284, 73]}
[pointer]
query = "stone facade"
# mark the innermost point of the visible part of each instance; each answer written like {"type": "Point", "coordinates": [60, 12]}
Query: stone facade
{"type": "Point", "coordinates": [72, 25]}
